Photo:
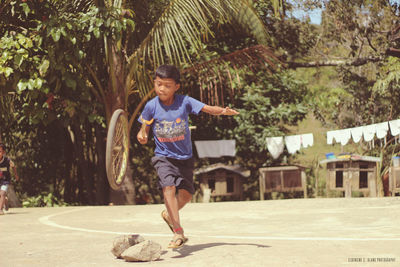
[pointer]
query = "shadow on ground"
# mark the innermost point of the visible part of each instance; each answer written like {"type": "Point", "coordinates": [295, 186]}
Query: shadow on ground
{"type": "Point", "coordinates": [187, 250]}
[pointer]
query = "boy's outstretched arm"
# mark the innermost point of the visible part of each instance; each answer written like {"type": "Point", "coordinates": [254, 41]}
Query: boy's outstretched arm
{"type": "Point", "coordinates": [143, 134]}
{"type": "Point", "coordinates": [215, 110]}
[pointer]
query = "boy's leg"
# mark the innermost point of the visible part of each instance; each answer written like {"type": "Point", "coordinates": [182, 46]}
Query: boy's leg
{"type": "Point", "coordinates": [6, 202]}
{"type": "Point", "coordinates": [2, 198]}
{"type": "Point", "coordinates": [183, 197]}
{"type": "Point", "coordinates": [171, 203]}
{"type": "Point", "coordinates": [174, 202]}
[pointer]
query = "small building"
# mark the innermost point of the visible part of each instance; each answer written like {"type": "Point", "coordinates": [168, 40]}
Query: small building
{"type": "Point", "coordinates": [394, 180]}
{"type": "Point", "coordinates": [221, 180]}
{"type": "Point", "coordinates": [282, 179]}
{"type": "Point", "coordinates": [352, 173]}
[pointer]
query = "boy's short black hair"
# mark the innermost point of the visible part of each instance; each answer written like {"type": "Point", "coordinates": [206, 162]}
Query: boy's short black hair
{"type": "Point", "coordinates": [3, 146]}
{"type": "Point", "coordinates": [169, 72]}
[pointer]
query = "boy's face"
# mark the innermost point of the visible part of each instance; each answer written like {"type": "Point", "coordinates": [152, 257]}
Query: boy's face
{"type": "Point", "coordinates": [2, 152]}
{"type": "Point", "coordinates": [165, 89]}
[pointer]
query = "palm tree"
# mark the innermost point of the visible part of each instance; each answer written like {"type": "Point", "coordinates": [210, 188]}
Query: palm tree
{"type": "Point", "coordinates": [183, 24]}
{"type": "Point", "coordinates": [120, 71]}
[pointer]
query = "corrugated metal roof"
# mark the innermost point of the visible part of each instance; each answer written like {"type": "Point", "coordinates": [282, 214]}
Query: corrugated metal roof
{"type": "Point", "coordinates": [233, 168]}
{"type": "Point", "coordinates": [352, 158]}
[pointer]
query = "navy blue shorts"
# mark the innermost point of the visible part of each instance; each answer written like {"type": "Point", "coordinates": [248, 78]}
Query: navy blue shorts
{"type": "Point", "coordinates": [174, 172]}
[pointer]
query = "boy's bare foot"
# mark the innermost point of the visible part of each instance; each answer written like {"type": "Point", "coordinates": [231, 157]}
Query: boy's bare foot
{"type": "Point", "coordinates": [1, 212]}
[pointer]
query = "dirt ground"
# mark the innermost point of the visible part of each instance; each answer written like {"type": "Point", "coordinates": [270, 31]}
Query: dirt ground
{"type": "Point", "coordinates": [297, 232]}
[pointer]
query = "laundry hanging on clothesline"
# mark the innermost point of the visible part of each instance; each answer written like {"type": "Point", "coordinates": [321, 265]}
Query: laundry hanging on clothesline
{"type": "Point", "coordinates": [394, 127]}
{"type": "Point", "coordinates": [275, 145]}
{"type": "Point", "coordinates": [356, 133]}
{"type": "Point", "coordinates": [340, 136]}
{"type": "Point", "coordinates": [367, 132]}
{"type": "Point", "coordinates": [215, 148]}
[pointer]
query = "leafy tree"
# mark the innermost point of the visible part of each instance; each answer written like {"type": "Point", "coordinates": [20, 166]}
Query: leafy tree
{"type": "Point", "coordinates": [70, 64]}
{"type": "Point", "coordinates": [359, 39]}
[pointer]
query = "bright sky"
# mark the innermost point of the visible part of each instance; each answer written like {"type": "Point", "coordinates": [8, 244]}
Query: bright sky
{"type": "Point", "coordinates": [315, 15]}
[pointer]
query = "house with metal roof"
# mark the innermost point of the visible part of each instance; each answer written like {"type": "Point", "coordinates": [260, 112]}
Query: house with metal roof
{"type": "Point", "coordinates": [352, 173]}
{"type": "Point", "coordinates": [221, 180]}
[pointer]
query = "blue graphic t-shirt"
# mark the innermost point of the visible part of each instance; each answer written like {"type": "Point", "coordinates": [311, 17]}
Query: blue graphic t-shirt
{"type": "Point", "coordinates": [170, 125]}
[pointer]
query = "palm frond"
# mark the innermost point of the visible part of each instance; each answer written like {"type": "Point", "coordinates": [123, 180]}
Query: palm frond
{"type": "Point", "coordinates": [73, 5]}
{"type": "Point", "coordinates": [217, 77]}
{"type": "Point", "coordinates": [182, 27]}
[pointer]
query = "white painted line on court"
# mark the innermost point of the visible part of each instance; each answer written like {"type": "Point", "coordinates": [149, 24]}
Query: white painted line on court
{"type": "Point", "coordinates": [46, 221]}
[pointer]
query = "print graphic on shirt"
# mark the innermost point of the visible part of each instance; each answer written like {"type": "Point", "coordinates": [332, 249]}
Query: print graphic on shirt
{"type": "Point", "coordinates": [170, 131]}
{"type": "Point", "coordinates": [4, 169]}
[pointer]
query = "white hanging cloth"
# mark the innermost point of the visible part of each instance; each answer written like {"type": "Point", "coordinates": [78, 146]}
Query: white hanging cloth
{"type": "Point", "coordinates": [329, 137]}
{"type": "Point", "coordinates": [293, 143]}
{"type": "Point", "coordinates": [307, 140]}
{"type": "Point", "coordinates": [215, 149]}
{"type": "Point", "coordinates": [343, 136]}
{"type": "Point", "coordinates": [369, 132]}
{"type": "Point", "coordinates": [382, 129]}
{"type": "Point", "coordinates": [356, 133]}
{"type": "Point", "coordinates": [275, 146]}
{"type": "Point", "coordinates": [394, 127]}
{"type": "Point", "coordinates": [340, 136]}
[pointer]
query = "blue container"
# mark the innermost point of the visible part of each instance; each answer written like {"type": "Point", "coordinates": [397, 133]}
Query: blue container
{"type": "Point", "coordinates": [330, 155]}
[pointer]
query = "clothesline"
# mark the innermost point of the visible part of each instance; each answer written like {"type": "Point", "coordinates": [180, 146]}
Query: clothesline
{"type": "Point", "coordinates": [367, 132]}
{"type": "Point", "coordinates": [275, 145]}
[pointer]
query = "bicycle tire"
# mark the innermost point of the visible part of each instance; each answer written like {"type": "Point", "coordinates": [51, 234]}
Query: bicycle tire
{"type": "Point", "coordinates": [117, 149]}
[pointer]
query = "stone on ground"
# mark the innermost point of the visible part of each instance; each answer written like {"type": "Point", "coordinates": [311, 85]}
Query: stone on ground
{"type": "Point", "coordinates": [145, 251]}
{"type": "Point", "coordinates": [121, 243]}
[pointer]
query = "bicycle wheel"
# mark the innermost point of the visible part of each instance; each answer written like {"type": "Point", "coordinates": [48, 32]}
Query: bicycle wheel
{"type": "Point", "coordinates": [117, 150]}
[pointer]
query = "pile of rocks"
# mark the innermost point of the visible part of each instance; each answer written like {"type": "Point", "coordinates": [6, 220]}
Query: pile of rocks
{"type": "Point", "coordinates": [135, 248]}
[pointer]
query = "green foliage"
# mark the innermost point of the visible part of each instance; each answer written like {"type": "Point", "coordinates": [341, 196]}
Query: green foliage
{"type": "Point", "coordinates": [349, 96]}
{"type": "Point", "coordinates": [44, 59]}
{"type": "Point", "coordinates": [52, 104]}
{"type": "Point", "coordinates": [266, 107]}
{"type": "Point", "coordinates": [43, 200]}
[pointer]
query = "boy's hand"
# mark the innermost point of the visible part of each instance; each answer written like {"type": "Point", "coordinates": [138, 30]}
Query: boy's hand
{"type": "Point", "coordinates": [228, 111]}
{"type": "Point", "coordinates": [142, 135]}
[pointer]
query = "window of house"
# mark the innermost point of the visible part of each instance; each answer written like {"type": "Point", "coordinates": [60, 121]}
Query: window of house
{"type": "Point", "coordinates": [339, 178]}
{"type": "Point", "coordinates": [363, 179]}
{"type": "Point", "coordinates": [230, 186]}
{"type": "Point", "coordinates": [292, 179]}
{"type": "Point", "coordinates": [273, 180]}
{"type": "Point", "coordinates": [211, 184]}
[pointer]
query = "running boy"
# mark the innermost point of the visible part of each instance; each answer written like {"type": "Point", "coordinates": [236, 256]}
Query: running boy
{"type": "Point", "coordinates": [168, 114]}
{"type": "Point", "coordinates": [5, 176]}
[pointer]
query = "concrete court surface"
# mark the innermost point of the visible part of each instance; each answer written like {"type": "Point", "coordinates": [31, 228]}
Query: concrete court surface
{"type": "Point", "coordinates": [296, 232]}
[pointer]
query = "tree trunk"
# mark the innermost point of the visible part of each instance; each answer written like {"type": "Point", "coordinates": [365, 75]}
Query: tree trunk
{"type": "Point", "coordinates": [85, 183]}
{"type": "Point", "coordinates": [69, 177]}
{"type": "Point", "coordinates": [102, 188]}
{"type": "Point", "coordinates": [126, 194]}
{"type": "Point", "coordinates": [116, 93]}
